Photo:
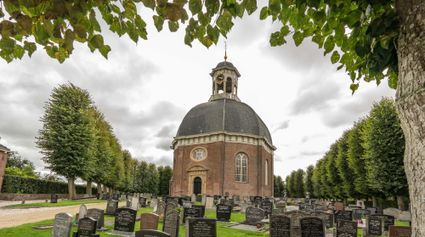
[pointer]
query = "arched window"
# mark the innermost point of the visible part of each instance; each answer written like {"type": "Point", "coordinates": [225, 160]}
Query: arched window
{"type": "Point", "coordinates": [241, 172]}
{"type": "Point", "coordinates": [266, 173]}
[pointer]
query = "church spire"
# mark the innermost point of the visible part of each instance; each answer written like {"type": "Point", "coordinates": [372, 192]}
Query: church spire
{"type": "Point", "coordinates": [225, 78]}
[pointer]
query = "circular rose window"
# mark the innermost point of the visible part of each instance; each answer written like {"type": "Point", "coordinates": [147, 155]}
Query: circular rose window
{"type": "Point", "coordinates": [199, 154]}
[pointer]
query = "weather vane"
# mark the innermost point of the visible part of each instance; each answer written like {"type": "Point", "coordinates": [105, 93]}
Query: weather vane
{"type": "Point", "coordinates": [225, 50]}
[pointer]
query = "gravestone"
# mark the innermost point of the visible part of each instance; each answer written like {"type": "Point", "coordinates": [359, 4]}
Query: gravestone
{"type": "Point", "coordinates": [209, 203]}
{"type": "Point", "coordinates": [193, 198]}
{"type": "Point", "coordinates": [171, 221]}
{"type": "Point", "coordinates": [359, 214]}
{"type": "Point", "coordinates": [204, 200]}
{"type": "Point", "coordinates": [98, 215]}
{"type": "Point", "coordinates": [125, 219]}
{"type": "Point", "coordinates": [374, 225]}
{"type": "Point", "coordinates": [267, 206]}
{"type": "Point", "coordinates": [149, 221]}
{"type": "Point", "coordinates": [151, 233]}
{"type": "Point", "coordinates": [360, 203]}
{"type": "Point", "coordinates": [405, 216]}
{"type": "Point", "coordinates": [201, 209]}
{"type": "Point", "coordinates": [160, 209]}
{"type": "Point", "coordinates": [372, 210]}
{"type": "Point", "coordinates": [329, 219]}
{"type": "Point", "coordinates": [153, 203]}
{"type": "Point", "coordinates": [280, 204]}
{"type": "Point", "coordinates": [82, 212]}
{"type": "Point", "coordinates": [128, 203]}
{"type": "Point", "coordinates": [111, 207]}
{"type": "Point", "coordinates": [392, 212]}
{"type": "Point", "coordinates": [142, 201]}
{"type": "Point", "coordinates": [312, 227]}
{"type": "Point", "coordinates": [191, 212]}
{"type": "Point", "coordinates": [54, 198]}
{"type": "Point", "coordinates": [62, 225]}
{"type": "Point", "coordinates": [400, 231]}
{"type": "Point", "coordinates": [253, 215]}
{"type": "Point", "coordinates": [339, 206]}
{"type": "Point", "coordinates": [199, 198]}
{"type": "Point", "coordinates": [135, 203]}
{"type": "Point", "coordinates": [257, 201]}
{"type": "Point", "coordinates": [186, 204]}
{"type": "Point", "coordinates": [201, 227]}
{"type": "Point", "coordinates": [387, 220]}
{"type": "Point", "coordinates": [280, 226]}
{"type": "Point", "coordinates": [343, 216]}
{"type": "Point", "coordinates": [87, 227]}
{"type": "Point", "coordinates": [223, 212]}
{"type": "Point", "coordinates": [346, 229]}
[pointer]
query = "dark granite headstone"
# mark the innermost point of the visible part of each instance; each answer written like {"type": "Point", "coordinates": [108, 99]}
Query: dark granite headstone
{"type": "Point", "coordinates": [329, 221]}
{"type": "Point", "coordinates": [374, 225]}
{"type": "Point", "coordinates": [86, 227]}
{"type": "Point", "coordinates": [359, 214]}
{"type": "Point", "coordinates": [223, 212]}
{"type": "Point", "coordinates": [400, 231]}
{"type": "Point", "coordinates": [257, 200]}
{"type": "Point", "coordinates": [267, 206]}
{"type": "Point", "coordinates": [62, 225]}
{"type": "Point", "coordinates": [280, 226]}
{"type": "Point", "coordinates": [171, 220]}
{"type": "Point", "coordinates": [343, 216]}
{"type": "Point", "coordinates": [151, 233]}
{"type": "Point", "coordinates": [201, 209]}
{"type": "Point", "coordinates": [98, 215]}
{"type": "Point", "coordinates": [125, 218]}
{"type": "Point", "coordinates": [201, 227]}
{"type": "Point", "coordinates": [387, 220]}
{"type": "Point", "coordinates": [312, 227]}
{"type": "Point", "coordinates": [372, 210]}
{"type": "Point", "coordinates": [191, 212]}
{"type": "Point", "coordinates": [253, 215]}
{"type": "Point", "coordinates": [346, 229]}
{"type": "Point", "coordinates": [54, 198]}
{"type": "Point", "coordinates": [111, 207]}
{"type": "Point", "coordinates": [169, 199]}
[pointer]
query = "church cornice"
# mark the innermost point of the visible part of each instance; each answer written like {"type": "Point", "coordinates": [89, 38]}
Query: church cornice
{"type": "Point", "coordinates": [228, 137]}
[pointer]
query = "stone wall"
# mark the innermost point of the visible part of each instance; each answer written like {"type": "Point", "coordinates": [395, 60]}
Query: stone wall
{"type": "Point", "coordinates": [21, 196]}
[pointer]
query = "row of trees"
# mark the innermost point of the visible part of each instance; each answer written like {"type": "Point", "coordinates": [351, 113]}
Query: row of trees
{"type": "Point", "coordinates": [365, 162]}
{"type": "Point", "coordinates": [77, 142]}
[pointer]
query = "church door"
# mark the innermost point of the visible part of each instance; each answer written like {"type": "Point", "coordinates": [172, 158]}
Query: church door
{"type": "Point", "coordinates": [197, 185]}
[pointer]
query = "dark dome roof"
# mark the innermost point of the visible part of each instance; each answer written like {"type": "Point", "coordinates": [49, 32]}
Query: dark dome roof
{"type": "Point", "coordinates": [223, 115]}
{"type": "Point", "coordinates": [226, 65]}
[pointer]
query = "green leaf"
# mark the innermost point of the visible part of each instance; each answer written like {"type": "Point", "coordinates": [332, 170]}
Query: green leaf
{"type": "Point", "coordinates": [212, 6]}
{"type": "Point", "coordinates": [264, 13]}
{"type": "Point", "coordinates": [40, 33]}
{"type": "Point", "coordinates": [173, 26]}
{"type": "Point", "coordinates": [274, 7]}
{"type": "Point", "coordinates": [213, 33]}
{"type": "Point", "coordinates": [224, 22]}
{"type": "Point", "coordinates": [354, 87]}
{"type": "Point", "coordinates": [392, 80]}
{"type": "Point", "coordinates": [335, 57]}
{"type": "Point", "coordinates": [195, 6]}
{"type": "Point", "coordinates": [298, 38]}
{"type": "Point", "coordinates": [97, 41]}
{"type": "Point", "coordinates": [159, 22]}
{"type": "Point", "coordinates": [329, 44]}
{"type": "Point", "coordinates": [18, 52]}
{"type": "Point", "coordinates": [149, 3]}
{"type": "Point", "coordinates": [30, 47]}
{"type": "Point", "coordinates": [318, 39]}
{"type": "Point", "coordinates": [104, 50]}
{"type": "Point", "coordinates": [277, 39]}
{"type": "Point", "coordinates": [250, 6]}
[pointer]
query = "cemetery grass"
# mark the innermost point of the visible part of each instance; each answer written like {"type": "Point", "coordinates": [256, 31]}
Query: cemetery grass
{"type": "Point", "coordinates": [60, 203]}
{"type": "Point", "coordinates": [222, 229]}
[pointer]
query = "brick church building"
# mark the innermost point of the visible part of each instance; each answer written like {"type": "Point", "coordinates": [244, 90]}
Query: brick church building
{"type": "Point", "coordinates": [222, 147]}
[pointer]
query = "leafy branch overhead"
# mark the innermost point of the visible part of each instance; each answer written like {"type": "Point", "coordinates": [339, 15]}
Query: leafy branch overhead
{"type": "Point", "coordinates": [360, 35]}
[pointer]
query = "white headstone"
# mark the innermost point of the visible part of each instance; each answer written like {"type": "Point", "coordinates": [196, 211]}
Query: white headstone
{"type": "Point", "coordinates": [62, 225]}
{"type": "Point", "coordinates": [82, 212]}
{"type": "Point", "coordinates": [209, 203]}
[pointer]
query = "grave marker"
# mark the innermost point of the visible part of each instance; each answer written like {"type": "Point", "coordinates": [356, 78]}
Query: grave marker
{"type": "Point", "coordinates": [87, 227]}
{"type": "Point", "coordinates": [400, 231]}
{"type": "Point", "coordinates": [171, 220]}
{"type": "Point", "coordinates": [191, 212]}
{"type": "Point", "coordinates": [223, 212]}
{"type": "Point", "coordinates": [98, 215]}
{"type": "Point", "coordinates": [201, 227]}
{"type": "Point", "coordinates": [149, 221]}
{"type": "Point", "coordinates": [111, 207]}
{"type": "Point", "coordinates": [82, 212]}
{"type": "Point", "coordinates": [312, 227]}
{"type": "Point", "coordinates": [280, 226]}
{"type": "Point", "coordinates": [346, 229]}
{"type": "Point", "coordinates": [343, 216]}
{"type": "Point", "coordinates": [374, 225]}
{"type": "Point", "coordinates": [62, 225]}
{"type": "Point", "coordinates": [253, 215]}
{"type": "Point", "coordinates": [267, 206]}
{"type": "Point", "coordinates": [125, 219]}
{"type": "Point", "coordinates": [54, 198]}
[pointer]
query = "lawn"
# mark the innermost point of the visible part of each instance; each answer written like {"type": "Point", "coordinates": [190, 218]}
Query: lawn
{"type": "Point", "coordinates": [222, 229]}
{"type": "Point", "coordinates": [60, 203]}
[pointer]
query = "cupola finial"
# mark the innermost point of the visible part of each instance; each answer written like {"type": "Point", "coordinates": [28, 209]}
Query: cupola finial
{"type": "Point", "coordinates": [225, 50]}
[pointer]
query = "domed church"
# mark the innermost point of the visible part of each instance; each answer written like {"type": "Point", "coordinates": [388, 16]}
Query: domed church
{"type": "Point", "coordinates": [222, 147]}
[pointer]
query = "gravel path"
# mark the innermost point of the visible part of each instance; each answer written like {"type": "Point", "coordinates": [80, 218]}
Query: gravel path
{"type": "Point", "coordinates": [15, 217]}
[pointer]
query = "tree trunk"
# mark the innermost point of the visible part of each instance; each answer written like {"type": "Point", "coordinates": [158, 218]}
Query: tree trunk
{"type": "Point", "coordinates": [374, 202]}
{"type": "Point", "coordinates": [410, 99]}
{"type": "Point", "coordinates": [71, 188]}
{"type": "Point", "coordinates": [88, 188]}
{"type": "Point", "coordinates": [400, 203]}
{"type": "Point", "coordinates": [99, 188]}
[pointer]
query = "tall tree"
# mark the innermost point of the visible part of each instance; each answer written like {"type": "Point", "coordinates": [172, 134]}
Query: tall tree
{"type": "Point", "coordinates": [309, 181]}
{"type": "Point", "coordinates": [384, 150]}
{"type": "Point", "coordinates": [299, 183]}
{"type": "Point", "coordinates": [67, 137]}
{"type": "Point", "coordinates": [165, 173]}
{"type": "Point", "coordinates": [333, 179]}
{"type": "Point", "coordinates": [345, 172]}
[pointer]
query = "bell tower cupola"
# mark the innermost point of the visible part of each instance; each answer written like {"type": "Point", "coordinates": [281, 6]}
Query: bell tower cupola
{"type": "Point", "coordinates": [225, 81]}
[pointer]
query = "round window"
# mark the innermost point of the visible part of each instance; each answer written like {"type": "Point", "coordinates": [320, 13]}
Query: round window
{"type": "Point", "coordinates": [199, 154]}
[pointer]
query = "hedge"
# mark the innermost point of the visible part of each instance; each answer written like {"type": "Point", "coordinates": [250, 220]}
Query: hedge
{"type": "Point", "coordinates": [17, 184]}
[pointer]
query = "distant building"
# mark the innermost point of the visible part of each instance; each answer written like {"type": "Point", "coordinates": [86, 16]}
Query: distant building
{"type": "Point", "coordinates": [222, 147]}
{"type": "Point", "coordinates": [4, 152]}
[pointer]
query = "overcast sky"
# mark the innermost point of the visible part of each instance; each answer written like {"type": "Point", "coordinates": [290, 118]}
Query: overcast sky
{"type": "Point", "coordinates": [145, 90]}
